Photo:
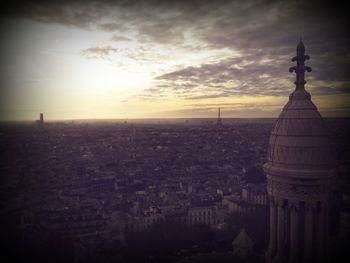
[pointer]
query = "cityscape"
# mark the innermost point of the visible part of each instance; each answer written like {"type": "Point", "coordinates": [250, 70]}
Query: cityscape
{"type": "Point", "coordinates": [139, 192]}
{"type": "Point", "coordinates": [114, 179]}
{"type": "Point", "coordinates": [151, 131]}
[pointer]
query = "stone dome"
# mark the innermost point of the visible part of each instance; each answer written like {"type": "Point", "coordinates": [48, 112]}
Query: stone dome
{"type": "Point", "coordinates": [301, 177]}
{"type": "Point", "coordinates": [299, 142]}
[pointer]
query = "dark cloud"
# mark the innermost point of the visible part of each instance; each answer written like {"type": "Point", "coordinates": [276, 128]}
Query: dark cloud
{"type": "Point", "coordinates": [330, 89]}
{"type": "Point", "coordinates": [120, 38]}
{"type": "Point", "coordinates": [238, 76]}
{"type": "Point", "coordinates": [98, 52]}
{"type": "Point", "coordinates": [258, 30]}
{"type": "Point", "coordinates": [111, 27]}
{"type": "Point", "coordinates": [79, 13]}
{"type": "Point", "coordinates": [232, 24]}
{"type": "Point", "coordinates": [232, 105]}
{"type": "Point", "coordinates": [249, 110]}
{"type": "Point", "coordinates": [263, 23]}
{"type": "Point", "coordinates": [252, 74]}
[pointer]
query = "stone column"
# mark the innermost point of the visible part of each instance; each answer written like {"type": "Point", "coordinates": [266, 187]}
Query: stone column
{"type": "Point", "coordinates": [320, 232]}
{"type": "Point", "coordinates": [273, 232]}
{"type": "Point", "coordinates": [280, 233]}
{"type": "Point", "coordinates": [327, 234]}
{"type": "Point", "coordinates": [294, 236]}
{"type": "Point", "coordinates": [309, 225]}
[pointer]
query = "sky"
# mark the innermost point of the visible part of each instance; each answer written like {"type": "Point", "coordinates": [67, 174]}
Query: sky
{"type": "Point", "coordinates": [168, 59]}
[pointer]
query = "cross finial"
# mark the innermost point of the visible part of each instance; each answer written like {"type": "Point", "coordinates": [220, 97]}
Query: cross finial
{"type": "Point", "coordinates": [300, 68]}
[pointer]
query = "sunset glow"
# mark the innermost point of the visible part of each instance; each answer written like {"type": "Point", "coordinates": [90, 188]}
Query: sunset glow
{"type": "Point", "coordinates": [164, 61]}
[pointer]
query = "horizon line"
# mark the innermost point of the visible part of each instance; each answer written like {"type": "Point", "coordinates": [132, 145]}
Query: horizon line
{"type": "Point", "coordinates": [157, 119]}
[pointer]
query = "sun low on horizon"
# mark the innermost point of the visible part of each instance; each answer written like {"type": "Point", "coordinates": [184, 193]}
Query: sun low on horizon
{"type": "Point", "coordinates": [168, 59]}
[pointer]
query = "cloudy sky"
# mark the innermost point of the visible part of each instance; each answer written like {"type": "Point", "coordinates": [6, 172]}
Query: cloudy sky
{"type": "Point", "coordinates": [168, 59]}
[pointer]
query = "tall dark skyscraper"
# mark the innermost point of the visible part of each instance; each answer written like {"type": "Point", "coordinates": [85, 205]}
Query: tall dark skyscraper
{"type": "Point", "coordinates": [41, 118]}
{"type": "Point", "coordinates": [300, 172]}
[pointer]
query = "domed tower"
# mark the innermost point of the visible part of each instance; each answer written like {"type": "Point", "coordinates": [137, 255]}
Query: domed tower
{"type": "Point", "coordinates": [300, 171]}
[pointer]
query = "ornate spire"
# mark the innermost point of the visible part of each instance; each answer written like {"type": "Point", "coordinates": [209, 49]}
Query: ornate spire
{"type": "Point", "coordinates": [300, 68]}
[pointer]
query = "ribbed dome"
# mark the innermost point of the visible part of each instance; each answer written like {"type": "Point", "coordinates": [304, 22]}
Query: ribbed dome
{"type": "Point", "coordinates": [299, 143]}
{"type": "Point", "coordinates": [301, 176]}
{"type": "Point", "coordinates": [299, 140]}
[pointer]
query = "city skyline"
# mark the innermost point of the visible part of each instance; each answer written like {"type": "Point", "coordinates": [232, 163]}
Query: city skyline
{"type": "Point", "coordinates": [163, 142]}
{"type": "Point", "coordinates": [153, 59]}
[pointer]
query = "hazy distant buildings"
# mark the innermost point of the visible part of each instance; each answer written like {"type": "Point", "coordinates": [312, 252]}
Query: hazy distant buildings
{"type": "Point", "coordinates": [255, 194]}
{"type": "Point", "coordinates": [300, 172]}
{"type": "Point", "coordinates": [200, 215]}
{"type": "Point", "coordinates": [253, 198]}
